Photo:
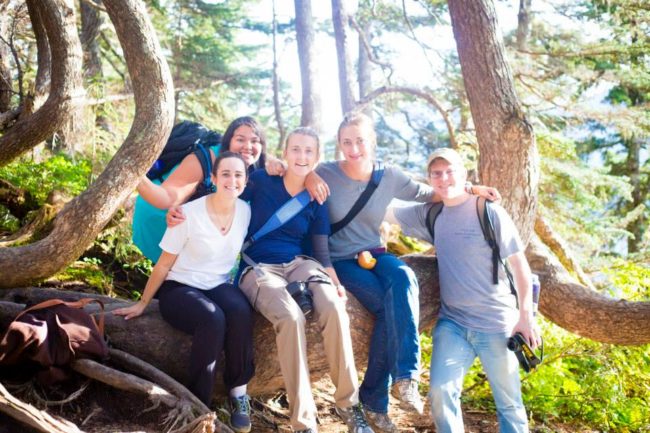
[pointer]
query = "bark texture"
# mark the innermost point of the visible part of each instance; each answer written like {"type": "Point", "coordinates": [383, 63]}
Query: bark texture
{"type": "Point", "coordinates": [311, 99]}
{"type": "Point", "coordinates": [81, 220]}
{"type": "Point", "coordinates": [508, 153]}
{"type": "Point", "coordinates": [58, 18]}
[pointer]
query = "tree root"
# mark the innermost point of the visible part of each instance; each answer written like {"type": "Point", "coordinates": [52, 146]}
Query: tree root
{"type": "Point", "coordinates": [34, 418]}
{"type": "Point", "coordinates": [186, 409]}
{"type": "Point", "coordinates": [138, 366]}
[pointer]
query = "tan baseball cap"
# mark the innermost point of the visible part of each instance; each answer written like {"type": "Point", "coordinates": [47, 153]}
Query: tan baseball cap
{"type": "Point", "coordinates": [448, 154]}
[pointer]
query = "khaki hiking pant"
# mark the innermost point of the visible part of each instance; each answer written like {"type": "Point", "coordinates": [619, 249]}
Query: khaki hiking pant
{"type": "Point", "coordinates": [266, 292]}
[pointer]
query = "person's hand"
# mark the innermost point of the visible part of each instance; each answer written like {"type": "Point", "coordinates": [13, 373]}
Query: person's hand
{"type": "Point", "coordinates": [317, 187]}
{"type": "Point", "coordinates": [343, 294]}
{"type": "Point", "coordinates": [488, 192]}
{"type": "Point", "coordinates": [530, 330]}
{"type": "Point", "coordinates": [130, 312]}
{"type": "Point", "coordinates": [274, 166]}
{"type": "Point", "coordinates": [174, 216]}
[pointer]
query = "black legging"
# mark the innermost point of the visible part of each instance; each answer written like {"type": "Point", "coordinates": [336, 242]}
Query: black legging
{"type": "Point", "coordinates": [217, 319]}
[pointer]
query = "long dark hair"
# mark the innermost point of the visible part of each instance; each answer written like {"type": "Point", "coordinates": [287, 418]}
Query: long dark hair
{"type": "Point", "coordinates": [257, 129]}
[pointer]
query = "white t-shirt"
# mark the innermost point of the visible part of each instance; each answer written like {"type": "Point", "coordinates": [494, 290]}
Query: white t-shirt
{"type": "Point", "coordinates": [205, 256]}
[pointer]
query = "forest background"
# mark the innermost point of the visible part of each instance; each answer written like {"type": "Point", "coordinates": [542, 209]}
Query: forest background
{"type": "Point", "coordinates": [580, 69]}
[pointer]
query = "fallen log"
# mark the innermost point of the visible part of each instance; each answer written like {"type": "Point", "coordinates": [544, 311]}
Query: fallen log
{"type": "Point", "coordinates": [154, 341]}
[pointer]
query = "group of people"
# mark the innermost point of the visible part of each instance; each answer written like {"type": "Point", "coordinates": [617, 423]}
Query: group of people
{"type": "Point", "coordinates": [317, 246]}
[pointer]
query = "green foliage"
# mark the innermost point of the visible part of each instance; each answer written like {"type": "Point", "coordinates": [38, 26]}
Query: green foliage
{"type": "Point", "coordinates": [89, 271]}
{"type": "Point", "coordinates": [58, 172]}
{"type": "Point", "coordinates": [577, 198]}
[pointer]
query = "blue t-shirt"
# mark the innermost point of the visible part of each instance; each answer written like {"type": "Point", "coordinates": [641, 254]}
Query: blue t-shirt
{"type": "Point", "coordinates": [149, 223]}
{"type": "Point", "coordinates": [266, 194]}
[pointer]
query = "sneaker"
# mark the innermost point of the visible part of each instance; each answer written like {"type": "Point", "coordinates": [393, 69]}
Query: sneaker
{"type": "Point", "coordinates": [240, 414]}
{"type": "Point", "coordinates": [406, 391]}
{"type": "Point", "coordinates": [380, 422]}
{"type": "Point", "coordinates": [355, 419]}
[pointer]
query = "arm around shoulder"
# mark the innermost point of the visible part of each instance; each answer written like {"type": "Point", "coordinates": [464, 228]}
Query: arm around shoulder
{"type": "Point", "coordinates": [177, 188]}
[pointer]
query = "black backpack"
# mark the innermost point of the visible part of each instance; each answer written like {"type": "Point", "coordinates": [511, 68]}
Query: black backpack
{"type": "Point", "coordinates": [186, 138]}
{"type": "Point", "coordinates": [487, 227]}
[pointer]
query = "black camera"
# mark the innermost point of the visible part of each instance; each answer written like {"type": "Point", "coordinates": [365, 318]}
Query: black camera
{"type": "Point", "coordinates": [527, 358]}
{"type": "Point", "coordinates": [303, 296]}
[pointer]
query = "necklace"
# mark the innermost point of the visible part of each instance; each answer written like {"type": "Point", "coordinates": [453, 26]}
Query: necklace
{"type": "Point", "coordinates": [223, 222]}
{"type": "Point", "coordinates": [224, 225]}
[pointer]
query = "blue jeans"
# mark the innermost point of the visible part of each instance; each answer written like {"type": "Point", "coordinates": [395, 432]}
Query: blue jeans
{"type": "Point", "coordinates": [390, 292]}
{"type": "Point", "coordinates": [454, 349]}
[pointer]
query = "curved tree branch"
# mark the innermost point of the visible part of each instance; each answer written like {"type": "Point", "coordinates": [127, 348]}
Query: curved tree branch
{"type": "Point", "coordinates": [82, 219]}
{"type": "Point", "coordinates": [58, 18]}
{"type": "Point", "coordinates": [419, 93]}
{"type": "Point", "coordinates": [583, 311]}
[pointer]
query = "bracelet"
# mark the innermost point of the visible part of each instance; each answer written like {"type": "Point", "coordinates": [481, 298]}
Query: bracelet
{"type": "Point", "coordinates": [468, 188]}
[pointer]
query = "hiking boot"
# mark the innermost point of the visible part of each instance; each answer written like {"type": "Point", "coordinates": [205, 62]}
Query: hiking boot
{"type": "Point", "coordinates": [406, 391]}
{"type": "Point", "coordinates": [355, 419]}
{"type": "Point", "coordinates": [380, 422]}
{"type": "Point", "coordinates": [307, 430]}
{"type": "Point", "coordinates": [240, 414]}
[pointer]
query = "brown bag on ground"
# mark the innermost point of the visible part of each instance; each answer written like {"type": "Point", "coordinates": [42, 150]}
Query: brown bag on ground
{"type": "Point", "coordinates": [52, 334]}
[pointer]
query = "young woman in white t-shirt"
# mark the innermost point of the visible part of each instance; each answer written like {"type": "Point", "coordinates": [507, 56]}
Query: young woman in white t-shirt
{"type": "Point", "coordinates": [191, 282]}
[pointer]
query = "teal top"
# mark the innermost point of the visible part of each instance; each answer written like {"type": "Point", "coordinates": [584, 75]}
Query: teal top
{"type": "Point", "coordinates": [149, 223]}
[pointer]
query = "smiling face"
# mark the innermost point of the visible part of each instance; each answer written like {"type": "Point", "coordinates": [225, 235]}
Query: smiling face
{"type": "Point", "coordinates": [301, 153]}
{"type": "Point", "coordinates": [447, 180]}
{"type": "Point", "coordinates": [357, 143]}
{"type": "Point", "coordinates": [247, 143]}
{"type": "Point", "coordinates": [230, 176]}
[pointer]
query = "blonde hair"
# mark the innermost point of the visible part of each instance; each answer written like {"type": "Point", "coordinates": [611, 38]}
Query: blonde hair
{"type": "Point", "coordinates": [357, 118]}
{"type": "Point", "coordinates": [306, 131]}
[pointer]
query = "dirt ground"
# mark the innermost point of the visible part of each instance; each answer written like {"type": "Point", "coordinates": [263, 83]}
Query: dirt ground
{"type": "Point", "coordinates": [101, 409]}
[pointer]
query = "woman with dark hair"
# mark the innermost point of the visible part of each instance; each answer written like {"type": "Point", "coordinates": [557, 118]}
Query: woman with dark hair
{"type": "Point", "coordinates": [191, 281]}
{"type": "Point", "coordinates": [244, 136]}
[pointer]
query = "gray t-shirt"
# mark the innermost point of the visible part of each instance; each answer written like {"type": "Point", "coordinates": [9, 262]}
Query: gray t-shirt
{"type": "Point", "coordinates": [362, 233]}
{"type": "Point", "coordinates": [467, 293]}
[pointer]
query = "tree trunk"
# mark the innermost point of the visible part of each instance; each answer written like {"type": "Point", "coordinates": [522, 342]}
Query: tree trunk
{"type": "Point", "coordinates": [508, 154]}
{"type": "Point", "coordinates": [276, 85]}
{"type": "Point", "coordinates": [523, 24]}
{"type": "Point", "coordinates": [508, 160]}
{"type": "Point", "coordinates": [311, 99]}
{"type": "Point", "coordinates": [5, 55]}
{"type": "Point", "coordinates": [364, 67]}
{"type": "Point", "coordinates": [341, 34]}
{"type": "Point", "coordinates": [59, 22]}
{"type": "Point", "coordinates": [91, 22]}
{"type": "Point", "coordinates": [83, 218]}
{"type": "Point", "coordinates": [43, 54]}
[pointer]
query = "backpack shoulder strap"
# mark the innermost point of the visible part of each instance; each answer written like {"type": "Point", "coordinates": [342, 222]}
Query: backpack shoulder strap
{"type": "Point", "coordinates": [432, 216]}
{"type": "Point", "coordinates": [203, 155]}
{"type": "Point", "coordinates": [375, 178]}
{"type": "Point", "coordinates": [489, 233]}
{"type": "Point", "coordinates": [286, 212]}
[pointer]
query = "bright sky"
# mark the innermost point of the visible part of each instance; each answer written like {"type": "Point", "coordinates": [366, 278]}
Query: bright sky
{"type": "Point", "coordinates": [410, 66]}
